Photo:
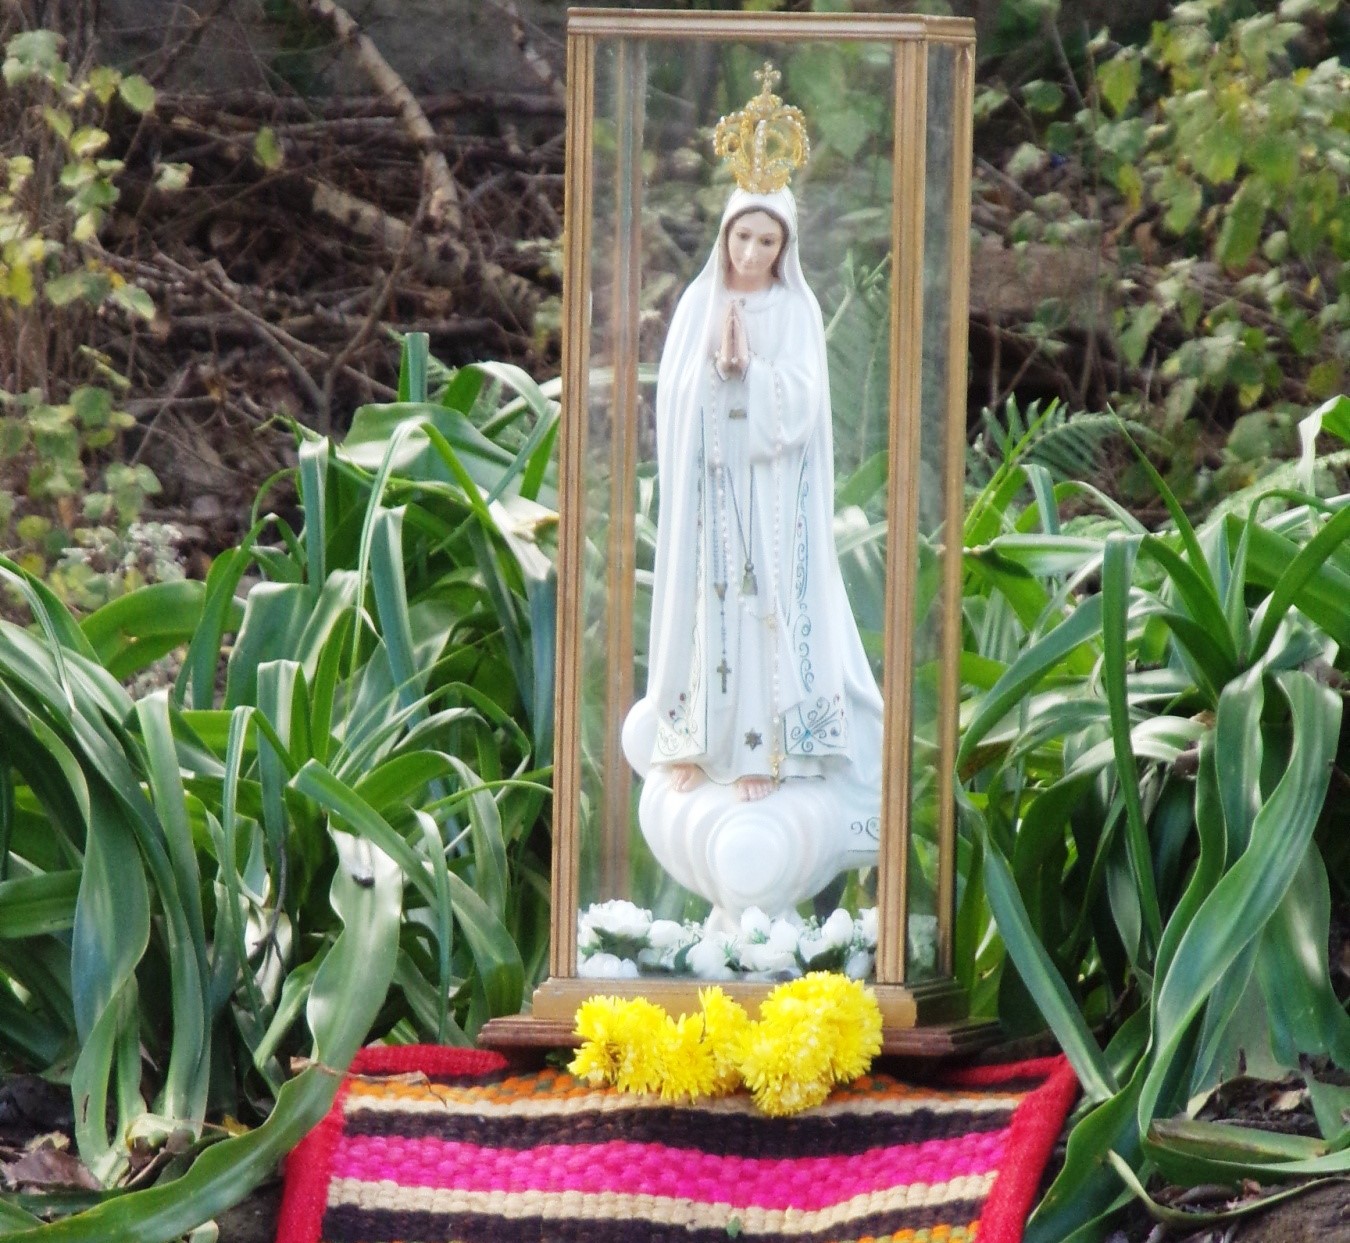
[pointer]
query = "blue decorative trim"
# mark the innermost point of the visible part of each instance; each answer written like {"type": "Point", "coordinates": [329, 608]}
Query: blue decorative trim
{"type": "Point", "coordinates": [801, 574]}
{"type": "Point", "coordinates": [817, 728]}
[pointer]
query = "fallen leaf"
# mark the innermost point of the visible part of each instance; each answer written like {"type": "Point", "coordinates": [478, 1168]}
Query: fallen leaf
{"type": "Point", "coordinates": [49, 1167]}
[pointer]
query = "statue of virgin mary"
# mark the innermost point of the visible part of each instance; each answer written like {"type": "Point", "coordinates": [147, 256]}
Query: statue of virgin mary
{"type": "Point", "coordinates": [757, 683]}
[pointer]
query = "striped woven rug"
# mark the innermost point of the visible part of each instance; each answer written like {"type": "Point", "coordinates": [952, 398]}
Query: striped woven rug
{"type": "Point", "coordinates": [440, 1145]}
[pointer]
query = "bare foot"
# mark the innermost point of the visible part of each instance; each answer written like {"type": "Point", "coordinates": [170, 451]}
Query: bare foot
{"type": "Point", "coordinates": [684, 777]}
{"type": "Point", "coordinates": [751, 789]}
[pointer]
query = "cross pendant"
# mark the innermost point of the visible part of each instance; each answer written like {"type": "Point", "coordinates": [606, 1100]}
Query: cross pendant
{"type": "Point", "coordinates": [723, 669]}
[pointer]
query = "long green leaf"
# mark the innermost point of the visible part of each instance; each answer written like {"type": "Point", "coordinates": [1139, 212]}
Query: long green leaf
{"type": "Point", "coordinates": [1117, 564]}
{"type": "Point", "coordinates": [1029, 669]}
{"type": "Point", "coordinates": [374, 506]}
{"type": "Point", "coordinates": [314, 452]}
{"type": "Point", "coordinates": [240, 720]}
{"type": "Point", "coordinates": [500, 972]}
{"type": "Point", "coordinates": [13, 1218]}
{"type": "Point", "coordinates": [1043, 981]}
{"type": "Point", "coordinates": [33, 906]}
{"type": "Point", "coordinates": [346, 997]}
{"type": "Point", "coordinates": [391, 603]}
{"type": "Point", "coordinates": [1245, 899]}
{"type": "Point", "coordinates": [1304, 1013]}
{"type": "Point", "coordinates": [139, 627]}
{"type": "Point", "coordinates": [443, 914]}
{"type": "Point", "coordinates": [1194, 552]}
{"type": "Point", "coordinates": [1293, 580]}
{"type": "Point", "coordinates": [1320, 596]}
{"type": "Point", "coordinates": [316, 782]}
{"type": "Point", "coordinates": [1200, 596]}
{"type": "Point", "coordinates": [1209, 866]}
{"type": "Point", "coordinates": [1085, 1187]}
{"type": "Point", "coordinates": [220, 612]}
{"type": "Point", "coordinates": [1238, 752]}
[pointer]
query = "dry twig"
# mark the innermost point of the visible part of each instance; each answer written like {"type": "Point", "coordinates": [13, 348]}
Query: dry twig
{"type": "Point", "coordinates": [537, 63]}
{"type": "Point", "coordinates": [443, 199]}
{"type": "Point", "coordinates": [443, 202]}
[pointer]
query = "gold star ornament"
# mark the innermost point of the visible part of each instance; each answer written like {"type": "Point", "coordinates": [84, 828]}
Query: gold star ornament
{"type": "Point", "coordinates": [766, 141]}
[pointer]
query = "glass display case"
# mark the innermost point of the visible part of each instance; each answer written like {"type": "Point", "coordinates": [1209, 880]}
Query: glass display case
{"type": "Point", "coordinates": [761, 460]}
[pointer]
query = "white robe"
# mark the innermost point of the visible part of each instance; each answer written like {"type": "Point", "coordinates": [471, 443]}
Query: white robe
{"type": "Point", "coordinates": [776, 677]}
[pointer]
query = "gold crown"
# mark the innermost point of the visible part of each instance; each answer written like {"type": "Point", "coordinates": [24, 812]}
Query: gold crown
{"type": "Point", "coordinates": [765, 141]}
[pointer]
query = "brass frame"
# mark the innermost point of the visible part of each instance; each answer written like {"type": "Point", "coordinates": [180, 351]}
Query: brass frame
{"type": "Point", "coordinates": [958, 328]}
{"type": "Point", "coordinates": [903, 1006]}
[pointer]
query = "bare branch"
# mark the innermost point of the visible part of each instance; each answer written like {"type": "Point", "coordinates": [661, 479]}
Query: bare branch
{"type": "Point", "coordinates": [172, 55]}
{"type": "Point", "coordinates": [377, 307]}
{"type": "Point", "coordinates": [443, 199]}
{"type": "Point", "coordinates": [278, 341]}
{"type": "Point", "coordinates": [537, 63]}
{"type": "Point", "coordinates": [436, 256]}
{"type": "Point", "coordinates": [360, 216]}
{"type": "Point", "coordinates": [443, 203]}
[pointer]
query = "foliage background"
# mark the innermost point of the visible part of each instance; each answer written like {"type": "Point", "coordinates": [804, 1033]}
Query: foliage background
{"type": "Point", "coordinates": [248, 632]}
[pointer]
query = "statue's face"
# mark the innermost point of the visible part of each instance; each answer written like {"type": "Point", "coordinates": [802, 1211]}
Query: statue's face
{"type": "Point", "coordinates": [754, 243]}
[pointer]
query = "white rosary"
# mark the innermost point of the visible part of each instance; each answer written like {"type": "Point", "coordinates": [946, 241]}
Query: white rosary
{"type": "Point", "coordinates": [721, 535]}
{"type": "Point", "coordinates": [749, 585]}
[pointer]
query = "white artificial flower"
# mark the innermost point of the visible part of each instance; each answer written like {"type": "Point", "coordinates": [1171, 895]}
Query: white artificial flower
{"type": "Point", "coordinates": [811, 945]}
{"type": "Point", "coordinates": [618, 918]}
{"type": "Point", "coordinates": [607, 967]}
{"type": "Point", "coordinates": [588, 940]}
{"type": "Point", "coordinates": [867, 926]}
{"type": "Point", "coordinates": [761, 956]}
{"type": "Point", "coordinates": [657, 959]}
{"type": "Point", "coordinates": [837, 931]}
{"type": "Point", "coordinates": [665, 933]}
{"type": "Point", "coordinates": [783, 936]}
{"type": "Point", "coordinates": [859, 965]}
{"type": "Point", "coordinates": [755, 924]}
{"type": "Point", "coordinates": [708, 959]}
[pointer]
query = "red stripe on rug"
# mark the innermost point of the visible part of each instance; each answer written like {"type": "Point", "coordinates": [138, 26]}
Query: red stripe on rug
{"type": "Point", "coordinates": [807, 1183]}
{"type": "Point", "coordinates": [308, 1169]}
{"type": "Point", "coordinates": [1036, 1068]}
{"type": "Point", "coordinates": [1036, 1124]}
{"type": "Point", "coordinates": [429, 1059]}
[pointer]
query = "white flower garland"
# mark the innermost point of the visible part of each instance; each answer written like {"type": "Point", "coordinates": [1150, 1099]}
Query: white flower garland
{"type": "Point", "coordinates": [618, 940]}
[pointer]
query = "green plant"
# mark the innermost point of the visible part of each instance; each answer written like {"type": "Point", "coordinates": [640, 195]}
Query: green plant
{"type": "Point", "coordinates": [1248, 162]}
{"type": "Point", "coordinates": [1208, 170]}
{"type": "Point", "coordinates": [62, 504]}
{"type": "Point", "coordinates": [1146, 814]}
{"type": "Point", "coordinates": [87, 543]}
{"type": "Point", "coordinates": [181, 871]}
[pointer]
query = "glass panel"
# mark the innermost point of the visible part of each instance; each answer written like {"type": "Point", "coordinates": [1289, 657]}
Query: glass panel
{"type": "Point", "coordinates": [594, 708]}
{"type": "Point", "coordinates": [744, 615]}
{"type": "Point", "coordinates": [929, 622]}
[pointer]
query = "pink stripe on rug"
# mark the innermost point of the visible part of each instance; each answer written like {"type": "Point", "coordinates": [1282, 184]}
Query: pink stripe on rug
{"type": "Point", "coordinates": [809, 1183]}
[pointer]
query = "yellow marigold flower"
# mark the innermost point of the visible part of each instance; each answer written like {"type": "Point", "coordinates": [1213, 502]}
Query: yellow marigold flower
{"type": "Point", "coordinates": [784, 1058]}
{"type": "Point", "coordinates": [594, 1064]}
{"type": "Point", "coordinates": [791, 1096]}
{"type": "Point", "coordinates": [686, 1059]}
{"type": "Point", "coordinates": [812, 1033]}
{"type": "Point", "coordinates": [724, 1023]}
{"type": "Point", "coordinates": [781, 1066]}
{"type": "Point", "coordinates": [847, 1012]}
{"type": "Point", "coordinates": [642, 1029]}
{"type": "Point", "coordinates": [601, 1029]}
